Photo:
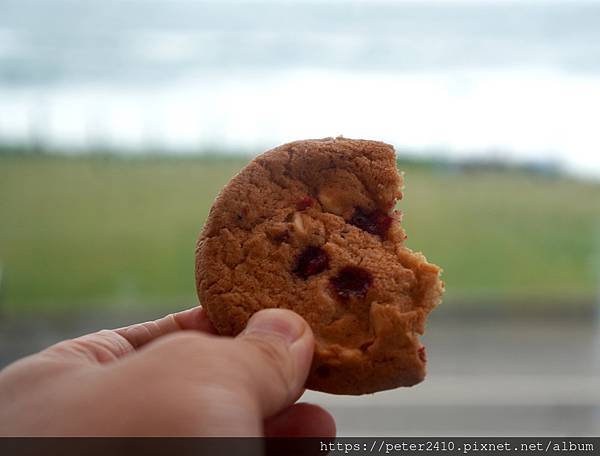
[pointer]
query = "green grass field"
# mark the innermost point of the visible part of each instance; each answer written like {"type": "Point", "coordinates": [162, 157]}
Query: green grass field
{"type": "Point", "coordinates": [110, 232]}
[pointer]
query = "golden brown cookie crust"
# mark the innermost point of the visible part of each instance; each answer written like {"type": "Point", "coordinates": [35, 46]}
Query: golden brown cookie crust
{"type": "Point", "coordinates": [306, 195]}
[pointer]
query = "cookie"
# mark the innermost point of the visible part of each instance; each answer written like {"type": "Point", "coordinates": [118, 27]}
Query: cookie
{"type": "Point", "coordinates": [310, 226]}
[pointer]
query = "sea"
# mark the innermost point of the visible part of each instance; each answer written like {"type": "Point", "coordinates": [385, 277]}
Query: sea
{"type": "Point", "coordinates": [511, 80]}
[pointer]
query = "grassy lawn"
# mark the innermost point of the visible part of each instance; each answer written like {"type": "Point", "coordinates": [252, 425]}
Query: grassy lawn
{"type": "Point", "coordinates": [101, 232]}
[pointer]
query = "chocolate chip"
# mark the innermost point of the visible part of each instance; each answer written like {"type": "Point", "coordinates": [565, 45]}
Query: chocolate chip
{"type": "Point", "coordinates": [376, 222]}
{"type": "Point", "coordinates": [352, 281]}
{"type": "Point", "coordinates": [323, 371]}
{"type": "Point", "coordinates": [311, 261]}
{"type": "Point", "coordinates": [282, 237]}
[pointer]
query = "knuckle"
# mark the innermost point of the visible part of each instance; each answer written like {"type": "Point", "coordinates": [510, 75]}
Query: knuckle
{"type": "Point", "coordinates": [93, 348]}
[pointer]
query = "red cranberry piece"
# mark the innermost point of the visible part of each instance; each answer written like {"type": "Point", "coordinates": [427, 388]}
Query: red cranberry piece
{"type": "Point", "coordinates": [422, 355]}
{"type": "Point", "coordinates": [352, 281]}
{"type": "Point", "coordinates": [311, 261]}
{"type": "Point", "coordinates": [376, 222]}
{"type": "Point", "coordinates": [304, 203]}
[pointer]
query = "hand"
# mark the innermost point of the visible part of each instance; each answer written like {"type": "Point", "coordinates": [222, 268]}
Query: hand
{"type": "Point", "coordinates": [168, 377]}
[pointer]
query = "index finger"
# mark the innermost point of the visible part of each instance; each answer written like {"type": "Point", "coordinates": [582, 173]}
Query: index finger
{"type": "Point", "coordinates": [139, 334]}
{"type": "Point", "coordinates": [109, 345]}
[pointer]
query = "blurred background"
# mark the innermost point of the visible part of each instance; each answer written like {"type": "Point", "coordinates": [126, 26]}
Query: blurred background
{"type": "Point", "coordinates": [120, 121]}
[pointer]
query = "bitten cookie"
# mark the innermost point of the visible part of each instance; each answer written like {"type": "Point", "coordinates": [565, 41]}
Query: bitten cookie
{"type": "Point", "coordinates": [310, 226]}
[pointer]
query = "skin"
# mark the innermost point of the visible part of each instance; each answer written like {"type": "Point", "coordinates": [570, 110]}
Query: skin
{"type": "Point", "coordinates": [169, 377]}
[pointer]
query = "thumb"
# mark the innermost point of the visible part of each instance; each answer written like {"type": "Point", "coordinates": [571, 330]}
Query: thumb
{"type": "Point", "coordinates": [276, 350]}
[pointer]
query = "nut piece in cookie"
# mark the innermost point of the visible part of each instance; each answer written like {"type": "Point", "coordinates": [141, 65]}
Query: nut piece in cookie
{"type": "Point", "coordinates": [310, 226]}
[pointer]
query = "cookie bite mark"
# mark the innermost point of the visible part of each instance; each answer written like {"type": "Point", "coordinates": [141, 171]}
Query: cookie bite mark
{"type": "Point", "coordinates": [352, 281]}
{"type": "Point", "coordinates": [313, 260]}
{"type": "Point", "coordinates": [375, 222]}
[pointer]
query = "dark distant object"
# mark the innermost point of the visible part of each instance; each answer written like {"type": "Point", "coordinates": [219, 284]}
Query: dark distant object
{"type": "Point", "coordinates": [543, 168]}
{"type": "Point", "coordinates": [483, 164]}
